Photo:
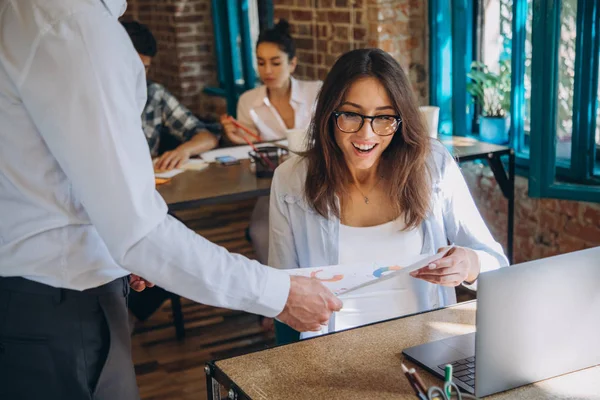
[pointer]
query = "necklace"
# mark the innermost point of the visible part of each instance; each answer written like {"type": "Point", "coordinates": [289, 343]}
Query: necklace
{"type": "Point", "coordinates": [365, 197]}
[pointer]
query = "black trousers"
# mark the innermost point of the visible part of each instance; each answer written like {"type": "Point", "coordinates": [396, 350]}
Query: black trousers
{"type": "Point", "coordinates": [59, 344]}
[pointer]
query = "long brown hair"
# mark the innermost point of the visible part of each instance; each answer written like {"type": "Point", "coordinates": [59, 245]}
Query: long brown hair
{"type": "Point", "coordinates": [403, 164]}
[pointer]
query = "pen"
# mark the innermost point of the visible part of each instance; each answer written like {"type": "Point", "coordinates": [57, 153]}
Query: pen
{"type": "Point", "coordinates": [242, 127]}
{"type": "Point", "coordinates": [413, 383]}
{"type": "Point", "coordinates": [448, 379]}
{"type": "Point", "coordinates": [418, 380]}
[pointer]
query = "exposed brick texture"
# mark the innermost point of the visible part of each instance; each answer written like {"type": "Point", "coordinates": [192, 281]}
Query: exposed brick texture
{"type": "Point", "coordinates": [185, 62]}
{"type": "Point", "coordinates": [324, 29]}
{"type": "Point", "coordinates": [397, 26]}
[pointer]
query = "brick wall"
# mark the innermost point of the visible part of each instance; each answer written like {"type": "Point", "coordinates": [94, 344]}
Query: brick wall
{"type": "Point", "coordinates": [543, 227]}
{"type": "Point", "coordinates": [324, 29]}
{"type": "Point", "coordinates": [185, 62]}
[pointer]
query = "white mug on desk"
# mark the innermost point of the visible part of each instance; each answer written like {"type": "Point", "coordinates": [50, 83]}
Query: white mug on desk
{"type": "Point", "coordinates": [297, 140]}
{"type": "Point", "coordinates": [431, 114]}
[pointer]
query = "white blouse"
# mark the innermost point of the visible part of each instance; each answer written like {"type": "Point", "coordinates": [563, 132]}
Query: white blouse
{"type": "Point", "coordinates": [256, 111]}
{"type": "Point", "coordinates": [386, 245]}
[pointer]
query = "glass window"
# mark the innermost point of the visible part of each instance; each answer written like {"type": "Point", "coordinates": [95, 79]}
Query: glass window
{"type": "Point", "coordinates": [566, 81]}
{"type": "Point", "coordinates": [527, 79]}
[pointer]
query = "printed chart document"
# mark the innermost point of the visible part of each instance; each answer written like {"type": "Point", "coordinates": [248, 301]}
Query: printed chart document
{"type": "Point", "coordinates": [346, 279]}
{"type": "Point", "coordinates": [366, 290]}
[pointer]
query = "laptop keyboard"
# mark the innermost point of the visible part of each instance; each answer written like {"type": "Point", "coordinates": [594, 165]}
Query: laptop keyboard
{"type": "Point", "coordinates": [463, 370]}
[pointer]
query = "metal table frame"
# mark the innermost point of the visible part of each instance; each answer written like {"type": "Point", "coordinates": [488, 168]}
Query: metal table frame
{"type": "Point", "coordinates": [506, 182]}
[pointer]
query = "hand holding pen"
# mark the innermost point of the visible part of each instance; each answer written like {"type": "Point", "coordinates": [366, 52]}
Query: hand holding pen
{"type": "Point", "coordinates": [236, 132]}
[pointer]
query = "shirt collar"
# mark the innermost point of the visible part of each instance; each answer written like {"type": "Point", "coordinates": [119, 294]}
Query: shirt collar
{"type": "Point", "coordinates": [295, 97]}
{"type": "Point", "coordinates": [115, 7]}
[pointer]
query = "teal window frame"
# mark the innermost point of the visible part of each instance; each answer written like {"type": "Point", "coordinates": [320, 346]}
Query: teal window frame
{"type": "Point", "coordinates": [440, 62]}
{"type": "Point", "coordinates": [235, 63]}
{"type": "Point", "coordinates": [452, 27]}
{"type": "Point", "coordinates": [579, 182]}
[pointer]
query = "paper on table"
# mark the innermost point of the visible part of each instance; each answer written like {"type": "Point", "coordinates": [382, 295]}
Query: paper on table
{"type": "Point", "coordinates": [239, 152]}
{"type": "Point", "coordinates": [168, 174]}
{"type": "Point", "coordinates": [344, 279]}
{"type": "Point", "coordinates": [194, 164]}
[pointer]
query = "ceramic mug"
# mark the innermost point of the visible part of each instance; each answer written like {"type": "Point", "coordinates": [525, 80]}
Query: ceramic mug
{"type": "Point", "coordinates": [431, 114]}
{"type": "Point", "coordinates": [297, 140]}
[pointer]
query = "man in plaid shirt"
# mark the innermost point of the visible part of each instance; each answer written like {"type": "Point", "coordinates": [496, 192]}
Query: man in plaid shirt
{"type": "Point", "coordinates": [164, 115]}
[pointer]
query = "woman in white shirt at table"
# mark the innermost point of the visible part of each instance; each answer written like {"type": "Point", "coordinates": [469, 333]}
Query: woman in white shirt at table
{"type": "Point", "coordinates": [281, 104]}
{"type": "Point", "coordinates": [375, 188]}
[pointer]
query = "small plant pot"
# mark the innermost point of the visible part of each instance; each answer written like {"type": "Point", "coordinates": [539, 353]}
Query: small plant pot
{"type": "Point", "coordinates": [494, 130]}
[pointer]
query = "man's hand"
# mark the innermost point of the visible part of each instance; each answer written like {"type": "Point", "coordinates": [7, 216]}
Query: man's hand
{"type": "Point", "coordinates": [309, 305]}
{"type": "Point", "coordinates": [138, 283]}
{"type": "Point", "coordinates": [172, 159]}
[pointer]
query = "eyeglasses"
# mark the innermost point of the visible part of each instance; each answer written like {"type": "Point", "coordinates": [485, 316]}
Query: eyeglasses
{"type": "Point", "coordinates": [351, 122]}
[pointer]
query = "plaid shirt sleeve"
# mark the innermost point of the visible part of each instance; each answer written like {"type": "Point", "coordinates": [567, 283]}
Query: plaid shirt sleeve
{"type": "Point", "coordinates": [180, 121]}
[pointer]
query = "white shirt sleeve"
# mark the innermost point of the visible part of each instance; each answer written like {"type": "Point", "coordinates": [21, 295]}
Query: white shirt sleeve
{"type": "Point", "coordinates": [81, 89]}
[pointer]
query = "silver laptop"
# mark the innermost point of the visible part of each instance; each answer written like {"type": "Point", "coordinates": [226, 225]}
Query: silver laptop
{"type": "Point", "coordinates": [535, 320]}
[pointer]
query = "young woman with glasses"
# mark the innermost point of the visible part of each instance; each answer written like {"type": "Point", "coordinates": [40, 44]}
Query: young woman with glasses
{"type": "Point", "coordinates": [374, 188]}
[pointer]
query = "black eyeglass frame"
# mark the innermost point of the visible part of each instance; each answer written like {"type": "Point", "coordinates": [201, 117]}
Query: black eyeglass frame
{"type": "Point", "coordinates": [337, 114]}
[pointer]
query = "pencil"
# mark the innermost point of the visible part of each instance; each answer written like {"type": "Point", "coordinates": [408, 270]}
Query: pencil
{"type": "Point", "coordinates": [413, 383]}
{"type": "Point", "coordinates": [413, 372]}
{"type": "Point", "coordinates": [242, 127]}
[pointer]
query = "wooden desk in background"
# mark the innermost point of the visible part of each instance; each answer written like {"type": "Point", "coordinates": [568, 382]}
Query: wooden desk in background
{"type": "Point", "coordinates": [216, 184]}
{"type": "Point", "coordinates": [364, 363]}
{"type": "Point", "coordinates": [219, 184]}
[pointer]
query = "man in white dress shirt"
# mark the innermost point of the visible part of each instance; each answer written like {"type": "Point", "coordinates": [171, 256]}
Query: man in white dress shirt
{"type": "Point", "coordinates": [79, 211]}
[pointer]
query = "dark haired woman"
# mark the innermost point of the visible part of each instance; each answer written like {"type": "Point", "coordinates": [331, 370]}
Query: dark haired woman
{"type": "Point", "coordinates": [375, 189]}
{"type": "Point", "coordinates": [283, 102]}
{"type": "Point", "coordinates": [269, 110]}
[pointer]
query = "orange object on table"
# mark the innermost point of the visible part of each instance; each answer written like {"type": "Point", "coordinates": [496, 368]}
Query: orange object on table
{"type": "Point", "coordinates": [160, 181]}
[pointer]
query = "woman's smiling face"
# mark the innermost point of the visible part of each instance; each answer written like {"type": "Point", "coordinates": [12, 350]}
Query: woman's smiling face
{"type": "Point", "coordinates": [362, 149]}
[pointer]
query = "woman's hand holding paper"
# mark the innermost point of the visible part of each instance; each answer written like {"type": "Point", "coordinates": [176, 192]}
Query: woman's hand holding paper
{"type": "Point", "coordinates": [459, 265]}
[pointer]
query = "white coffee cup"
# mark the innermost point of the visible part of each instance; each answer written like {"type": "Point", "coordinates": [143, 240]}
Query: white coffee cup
{"type": "Point", "coordinates": [297, 140]}
{"type": "Point", "coordinates": [431, 114]}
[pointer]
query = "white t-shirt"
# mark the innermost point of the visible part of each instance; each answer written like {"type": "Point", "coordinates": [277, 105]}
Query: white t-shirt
{"type": "Point", "coordinates": [387, 245]}
{"type": "Point", "coordinates": [256, 111]}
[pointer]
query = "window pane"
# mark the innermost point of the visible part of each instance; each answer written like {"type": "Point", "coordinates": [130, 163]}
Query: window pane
{"type": "Point", "coordinates": [494, 47]}
{"type": "Point", "coordinates": [598, 127]}
{"type": "Point", "coordinates": [496, 33]}
{"type": "Point", "coordinates": [566, 80]}
{"type": "Point", "coordinates": [527, 80]}
{"type": "Point", "coordinates": [598, 114]}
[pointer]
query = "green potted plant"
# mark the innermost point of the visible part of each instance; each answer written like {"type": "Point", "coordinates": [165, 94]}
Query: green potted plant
{"type": "Point", "coordinates": [491, 91]}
